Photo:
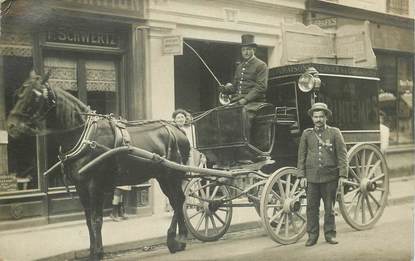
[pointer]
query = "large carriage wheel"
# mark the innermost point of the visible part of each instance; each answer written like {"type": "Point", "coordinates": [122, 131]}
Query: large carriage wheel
{"type": "Point", "coordinates": [283, 206]}
{"type": "Point", "coordinates": [206, 210]}
{"type": "Point", "coordinates": [363, 196]}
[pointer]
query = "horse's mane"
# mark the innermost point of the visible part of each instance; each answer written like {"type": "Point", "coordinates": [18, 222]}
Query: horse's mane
{"type": "Point", "coordinates": [69, 109]}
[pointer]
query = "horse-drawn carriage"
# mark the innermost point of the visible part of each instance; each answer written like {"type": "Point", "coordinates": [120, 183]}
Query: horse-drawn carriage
{"type": "Point", "coordinates": [269, 150]}
{"type": "Point", "coordinates": [264, 151]}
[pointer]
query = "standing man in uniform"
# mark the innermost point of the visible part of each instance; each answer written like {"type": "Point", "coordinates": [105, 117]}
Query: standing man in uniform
{"type": "Point", "coordinates": [322, 165]}
{"type": "Point", "coordinates": [251, 76]}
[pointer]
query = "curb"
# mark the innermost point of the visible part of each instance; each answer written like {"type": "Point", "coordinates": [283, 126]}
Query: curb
{"type": "Point", "coordinates": [139, 244]}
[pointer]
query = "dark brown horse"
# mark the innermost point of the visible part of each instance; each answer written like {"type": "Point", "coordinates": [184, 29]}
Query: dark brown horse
{"type": "Point", "coordinates": [43, 109]}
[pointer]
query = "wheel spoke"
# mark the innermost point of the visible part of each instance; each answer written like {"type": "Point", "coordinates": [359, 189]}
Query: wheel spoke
{"type": "Point", "coordinates": [293, 223]}
{"type": "Point", "coordinates": [357, 206]}
{"type": "Point", "coordinates": [208, 189]}
{"type": "Point", "coordinates": [296, 183]}
{"type": "Point", "coordinates": [274, 206]}
{"type": "Point", "coordinates": [275, 216]}
{"type": "Point", "coordinates": [213, 224]}
{"type": "Point", "coordinates": [279, 225]}
{"type": "Point", "coordinates": [193, 204]}
{"type": "Point", "coordinates": [353, 192]}
{"type": "Point", "coordinates": [351, 202]}
{"type": "Point", "coordinates": [369, 162]}
{"type": "Point", "coordinates": [373, 169]}
{"type": "Point", "coordinates": [199, 223]}
{"type": "Point", "coordinates": [369, 207]}
{"type": "Point", "coordinates": [286, 225]}
{"type": "Point", "coordinates": [197, 213]}
{"type": "Point", "coordinates": [358, 165]}
{"type": "Point", "coordinates": [300, 216]}
{"type": "Point", "coordinates": [281, 189]}
{"type": "Point", "coordinates": [214, 192]}
{"type": "Point", "coordinates": [363, 210]}
{"type": "Point", "coordinates": [219, 218]}
{"type": "Point", "coordinates": [354, 174]}
{"type": "Point", "coordinates": [351, 183]}
{"type": "Point", "coordinates": [201, 190]}
{"type": "Point", "coordinates": [374, 199]}
{"type": "Point", "coordinates": [363, 164]}
{"type": "Point", "coordinates": [206, 225]}
{"type": "Point", "coordinates": [224, 210]}
{"type": "Point", "coordinates": [287, 186]}
{"type": "Point", "coordinates": [299, 195]}
{"type": "Point", "coordinates": [378, 178]}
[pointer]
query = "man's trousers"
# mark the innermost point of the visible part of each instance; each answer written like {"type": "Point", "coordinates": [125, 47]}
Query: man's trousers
{"type": "Point", "coordinates": [315, 192]}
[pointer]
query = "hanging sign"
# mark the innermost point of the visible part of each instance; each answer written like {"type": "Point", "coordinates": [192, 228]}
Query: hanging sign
{"type": "Point", "coordinates": [172, 45]}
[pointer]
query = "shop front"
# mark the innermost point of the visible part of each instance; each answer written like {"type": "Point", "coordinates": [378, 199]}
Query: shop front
{"type": "Point", "coordinates": [391, 34]}
{"type": "Point", "coordinates": [98, 60]}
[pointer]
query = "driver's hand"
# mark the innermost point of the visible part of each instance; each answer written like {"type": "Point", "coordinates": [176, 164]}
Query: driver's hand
{"type": "Point", "coordinates": [242, 101]}
{"type": "Point", "coordinates": [303, 182]}
{"type": "Point", "coordinates": [341, 180]}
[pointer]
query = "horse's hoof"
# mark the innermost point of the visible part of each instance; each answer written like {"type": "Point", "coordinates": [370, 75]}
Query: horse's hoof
{"type": "Point", "coordinates": [181, 239]}
{"type": "Point", "coordinates": [181, 247]}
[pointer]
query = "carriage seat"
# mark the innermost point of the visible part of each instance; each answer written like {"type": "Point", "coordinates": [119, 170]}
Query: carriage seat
{"type": "Point", "coordinates": [225, 133]}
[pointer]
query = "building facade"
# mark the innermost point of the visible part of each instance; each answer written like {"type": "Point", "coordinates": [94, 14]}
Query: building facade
{"type": "Point", "coordinates": [391, 32]}
{"type": "Point", "coordinates": [94, 50]}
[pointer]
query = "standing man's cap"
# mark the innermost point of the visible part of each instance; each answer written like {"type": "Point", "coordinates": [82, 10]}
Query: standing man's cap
{"type": "Point", "coordinates": [319, 106]}
{"type": "Point", "coordinates": [248, 40]}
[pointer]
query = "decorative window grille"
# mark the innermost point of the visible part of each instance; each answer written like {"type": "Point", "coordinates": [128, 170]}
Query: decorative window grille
{"type": "Point", "coordinates": [398, 6]}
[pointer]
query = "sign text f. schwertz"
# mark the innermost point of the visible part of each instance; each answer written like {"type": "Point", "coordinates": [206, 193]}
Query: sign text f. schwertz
{"type": "Point", "coordinates": [172, 45]}
{"type": "Point", "coordinates": [84, 38]}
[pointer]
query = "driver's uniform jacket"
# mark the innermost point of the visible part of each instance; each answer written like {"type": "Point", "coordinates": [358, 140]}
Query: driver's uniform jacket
{"type": "Point", "coordinates": [322, 160]}
{"type": "Point", "coordinates": [250, 81]}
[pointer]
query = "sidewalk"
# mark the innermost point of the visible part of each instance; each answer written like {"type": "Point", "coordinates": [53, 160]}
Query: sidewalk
{"type": "Point", "coordinates": [70, 239]}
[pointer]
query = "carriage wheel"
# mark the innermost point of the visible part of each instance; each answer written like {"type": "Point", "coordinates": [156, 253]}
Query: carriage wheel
{"type": "Point", "coordinates": [362, 198]}
{"type": "Point", "coordinates": [283, 206]}
{"type": "Point", "coordinates": [206, 210]}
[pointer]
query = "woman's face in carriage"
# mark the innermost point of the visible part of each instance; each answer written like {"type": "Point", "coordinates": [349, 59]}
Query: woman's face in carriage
{"type": "Point", "coordinates": [180, 119]}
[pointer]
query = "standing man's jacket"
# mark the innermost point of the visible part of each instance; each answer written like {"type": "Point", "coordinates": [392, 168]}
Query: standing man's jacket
{"type": "Point", "coordinates": [250, 81]}
{"type": "Point", "coordinates": [322, 160]}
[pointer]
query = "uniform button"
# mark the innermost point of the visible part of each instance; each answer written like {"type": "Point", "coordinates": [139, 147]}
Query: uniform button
{"type": "Point", "coordinates": [319, 152]}
{"type": "Point", "coordinates": [319, 135]}
{"type": "Point", "coordinates": [240, 82]}
{"type": "Point", "coordinates": [319, 147]}
{"type": "Point", "coordinates": [243, 69]}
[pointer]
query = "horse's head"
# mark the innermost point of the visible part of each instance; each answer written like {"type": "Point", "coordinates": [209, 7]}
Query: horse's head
{"type": "Point", "coordinates": [34, 99]}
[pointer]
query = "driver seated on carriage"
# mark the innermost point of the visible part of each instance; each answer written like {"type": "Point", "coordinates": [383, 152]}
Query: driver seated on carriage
{"type": "Point", "coordinates": [250, 81]}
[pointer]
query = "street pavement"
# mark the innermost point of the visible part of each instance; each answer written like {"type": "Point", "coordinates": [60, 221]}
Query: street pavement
{"type": "Point", "coordinates": [391, 239]}
{"type": "Point", "coordinates": [70, 240]}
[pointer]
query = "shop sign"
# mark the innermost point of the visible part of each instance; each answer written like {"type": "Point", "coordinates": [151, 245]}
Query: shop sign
{"type": "Point", "coordinates": [172, 45]}
{"type": "Point", "coordinates": [325, 22]}
{"type": "Point", "coordinates": [8, 183]}
{"type": "Point", "coordinates": [83, 38]}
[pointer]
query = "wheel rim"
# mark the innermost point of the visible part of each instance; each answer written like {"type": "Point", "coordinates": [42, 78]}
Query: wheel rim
{"type": "Point", "coordinates": [206, 216]}
{"type": "Point", "coordinates": [283, 207]}
{"type": "Point", "coordinates": [364, 195]}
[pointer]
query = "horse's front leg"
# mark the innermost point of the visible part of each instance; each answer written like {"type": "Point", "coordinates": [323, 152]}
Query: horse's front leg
{"type": "Point", "coordinates": [97, 252]}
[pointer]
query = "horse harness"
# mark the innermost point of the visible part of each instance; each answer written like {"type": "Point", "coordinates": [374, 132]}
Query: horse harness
{"type": "Point", "coordinates": [122, 137]}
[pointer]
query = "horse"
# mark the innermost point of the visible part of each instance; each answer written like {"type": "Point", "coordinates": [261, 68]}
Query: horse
{"type": "Point", "coordinates": [41, 109]}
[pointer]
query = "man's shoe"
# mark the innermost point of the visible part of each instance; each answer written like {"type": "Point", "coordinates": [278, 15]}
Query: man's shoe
{"type": "Point", "coordinates": [310, 242]}
{"type": "Point", "coordinates": [332, 240]}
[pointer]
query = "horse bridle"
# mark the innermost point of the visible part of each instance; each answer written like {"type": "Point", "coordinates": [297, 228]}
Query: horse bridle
{"type": "Point", "coordinates": [49, 102]}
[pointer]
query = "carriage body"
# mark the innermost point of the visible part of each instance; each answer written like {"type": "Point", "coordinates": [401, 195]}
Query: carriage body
{"type": "Point", "coordinates": [223, 136]}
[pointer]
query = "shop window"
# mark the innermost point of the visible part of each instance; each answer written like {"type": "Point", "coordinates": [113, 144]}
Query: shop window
{"type": "Point", "coordinates": [21, 152]}
{"type": "Point", "coordinates": [395, 97]}
{"type": "Point", "coordinates": [92, 79]}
